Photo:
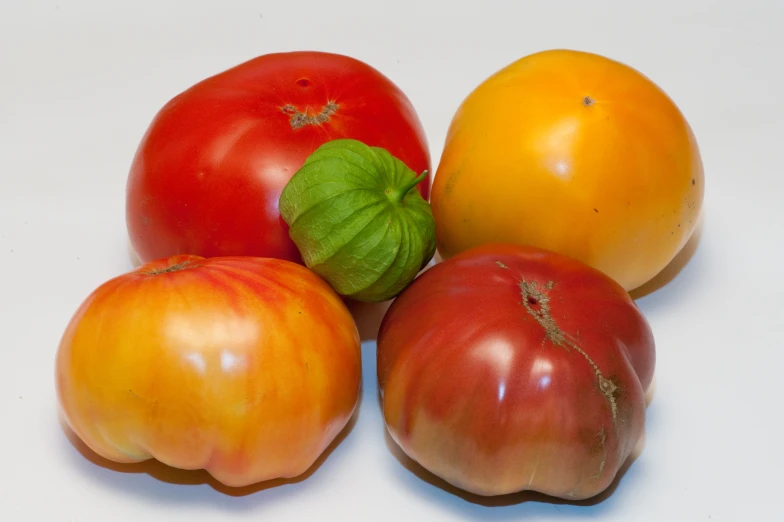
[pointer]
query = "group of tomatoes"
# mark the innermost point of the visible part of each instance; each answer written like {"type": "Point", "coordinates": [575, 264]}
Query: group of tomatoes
{"type": "Point", "coordinates": [518, 362]}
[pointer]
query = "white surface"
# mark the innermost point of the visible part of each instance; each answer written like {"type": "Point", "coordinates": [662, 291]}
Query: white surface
{"type": "Point", "coordinates": [80, 81]}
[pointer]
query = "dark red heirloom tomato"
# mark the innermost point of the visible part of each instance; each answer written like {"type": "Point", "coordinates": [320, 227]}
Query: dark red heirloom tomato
{"type": "Point", "coordinates": [509, 368]}
{"type": "Point", "coordinates": [209, 171]}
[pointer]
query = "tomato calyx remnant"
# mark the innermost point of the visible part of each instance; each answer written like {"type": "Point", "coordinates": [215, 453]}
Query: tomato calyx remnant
{"type": "Point", "coordinates": [397, 195]}
{"type": "Point", "coordinates": [171, 268]}
{"type": "Point", "coordinates": [300, 119]}
{"type": "Point", "coordinates": [537, 303]}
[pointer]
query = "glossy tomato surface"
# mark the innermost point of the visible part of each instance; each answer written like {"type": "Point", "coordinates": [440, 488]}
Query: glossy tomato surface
{"type": "Point", "coordinates": [509, 368]}
{"type": "Point", "coordinates": [208, 173]}
{"type": "Point", "coordinates": [245, 367]}
{"type": "Point", "coordinates": [575, 153]}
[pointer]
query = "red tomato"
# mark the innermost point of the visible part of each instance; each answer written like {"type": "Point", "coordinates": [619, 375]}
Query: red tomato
{"type": "Point", "coordinates": [209, 171]}
{"type": "Point", "coordinates": [507, 368]}
{"type": "Point", "coordinates": [245, 367]}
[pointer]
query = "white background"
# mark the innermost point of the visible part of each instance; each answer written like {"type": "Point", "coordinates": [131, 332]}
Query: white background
{"type": "Point", "coordinates": [79, 83]}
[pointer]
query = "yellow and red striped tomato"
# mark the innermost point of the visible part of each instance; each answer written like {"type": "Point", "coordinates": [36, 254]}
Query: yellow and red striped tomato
{"type": "Point", "coordinates": [246, 367]}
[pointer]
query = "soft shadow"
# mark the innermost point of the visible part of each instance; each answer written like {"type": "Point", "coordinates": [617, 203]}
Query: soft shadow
{"type": "Point", "coordinates": [132, 257]}
{"type": "Point", "coordinates": [678, 263]}
{"type": "Point", "coordinates": [512, 499]}
{"type": "Point", "coordinates": [161, 472]}
{"type": "Point", "coordinates": [368, 317]}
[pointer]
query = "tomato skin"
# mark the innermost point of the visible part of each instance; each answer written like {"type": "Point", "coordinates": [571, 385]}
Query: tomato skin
{"type": "Point", "coordinates": [575, 153]}
{"type": "Point", "coordinates": [498, 389]}
{"type": "Point", "coordinates": [245, 367]}
{"type": "Point", "coordinates": [208, 173]}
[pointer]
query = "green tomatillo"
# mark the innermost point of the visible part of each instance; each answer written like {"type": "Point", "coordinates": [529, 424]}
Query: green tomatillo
{"type": "Point", "coordinates": [358, 221]}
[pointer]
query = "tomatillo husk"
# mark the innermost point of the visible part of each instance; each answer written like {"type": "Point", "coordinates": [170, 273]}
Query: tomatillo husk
{"type": "Point", "coordinates": [358, 221]}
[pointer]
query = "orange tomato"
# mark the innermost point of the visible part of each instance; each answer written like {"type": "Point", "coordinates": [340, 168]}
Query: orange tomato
{"type": "Point", "coordinates": [575, 153]}
{"type": "Point", "coordinates": [246, 367]}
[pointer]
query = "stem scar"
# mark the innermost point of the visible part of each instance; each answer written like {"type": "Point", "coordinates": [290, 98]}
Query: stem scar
{"type": "Point", "coordinates": [537, 303]}
{"type": "Point", "coordinates": [171, 268]}
{"type": "Point", "coordinates": [299, 119]}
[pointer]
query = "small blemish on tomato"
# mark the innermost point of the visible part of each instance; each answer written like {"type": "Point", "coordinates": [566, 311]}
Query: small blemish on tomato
{"type": "Point", "coordinates": [693, 181]}
{"type": "Point", "coordinates": [596, 210]}
{"type": "Point", "coordinates": [303, 82]}
{"type": "Point", "coordinates": [588, 101]}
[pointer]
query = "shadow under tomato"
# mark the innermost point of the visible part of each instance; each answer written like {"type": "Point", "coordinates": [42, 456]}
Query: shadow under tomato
{"type": "Point", "coordinates": [368, 317]}
{"type": "Point", "coordinates": [171, 475]}
{"type": "Point", "coordinates": [512, 499]}
{"type": "Point", "coordinates": [132, 257]}
{"type": "Point", "coordinates": [678, 263]}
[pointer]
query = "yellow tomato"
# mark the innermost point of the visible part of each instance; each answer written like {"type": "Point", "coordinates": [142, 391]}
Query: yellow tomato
{"type": "Point", "coordinates": [575, 153]}
{"type": "Point", "coordinates": [245, 367]}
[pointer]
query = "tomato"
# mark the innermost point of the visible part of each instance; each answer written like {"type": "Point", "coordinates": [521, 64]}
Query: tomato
{"type": "Point", "coordinates": [245, 367]}
{"type": "Point", "coordinates": [208, 173]}
{"type": "Point", "coordinates": [575, 153]}
{"type": "Point", "coordinates": [509, 368]}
